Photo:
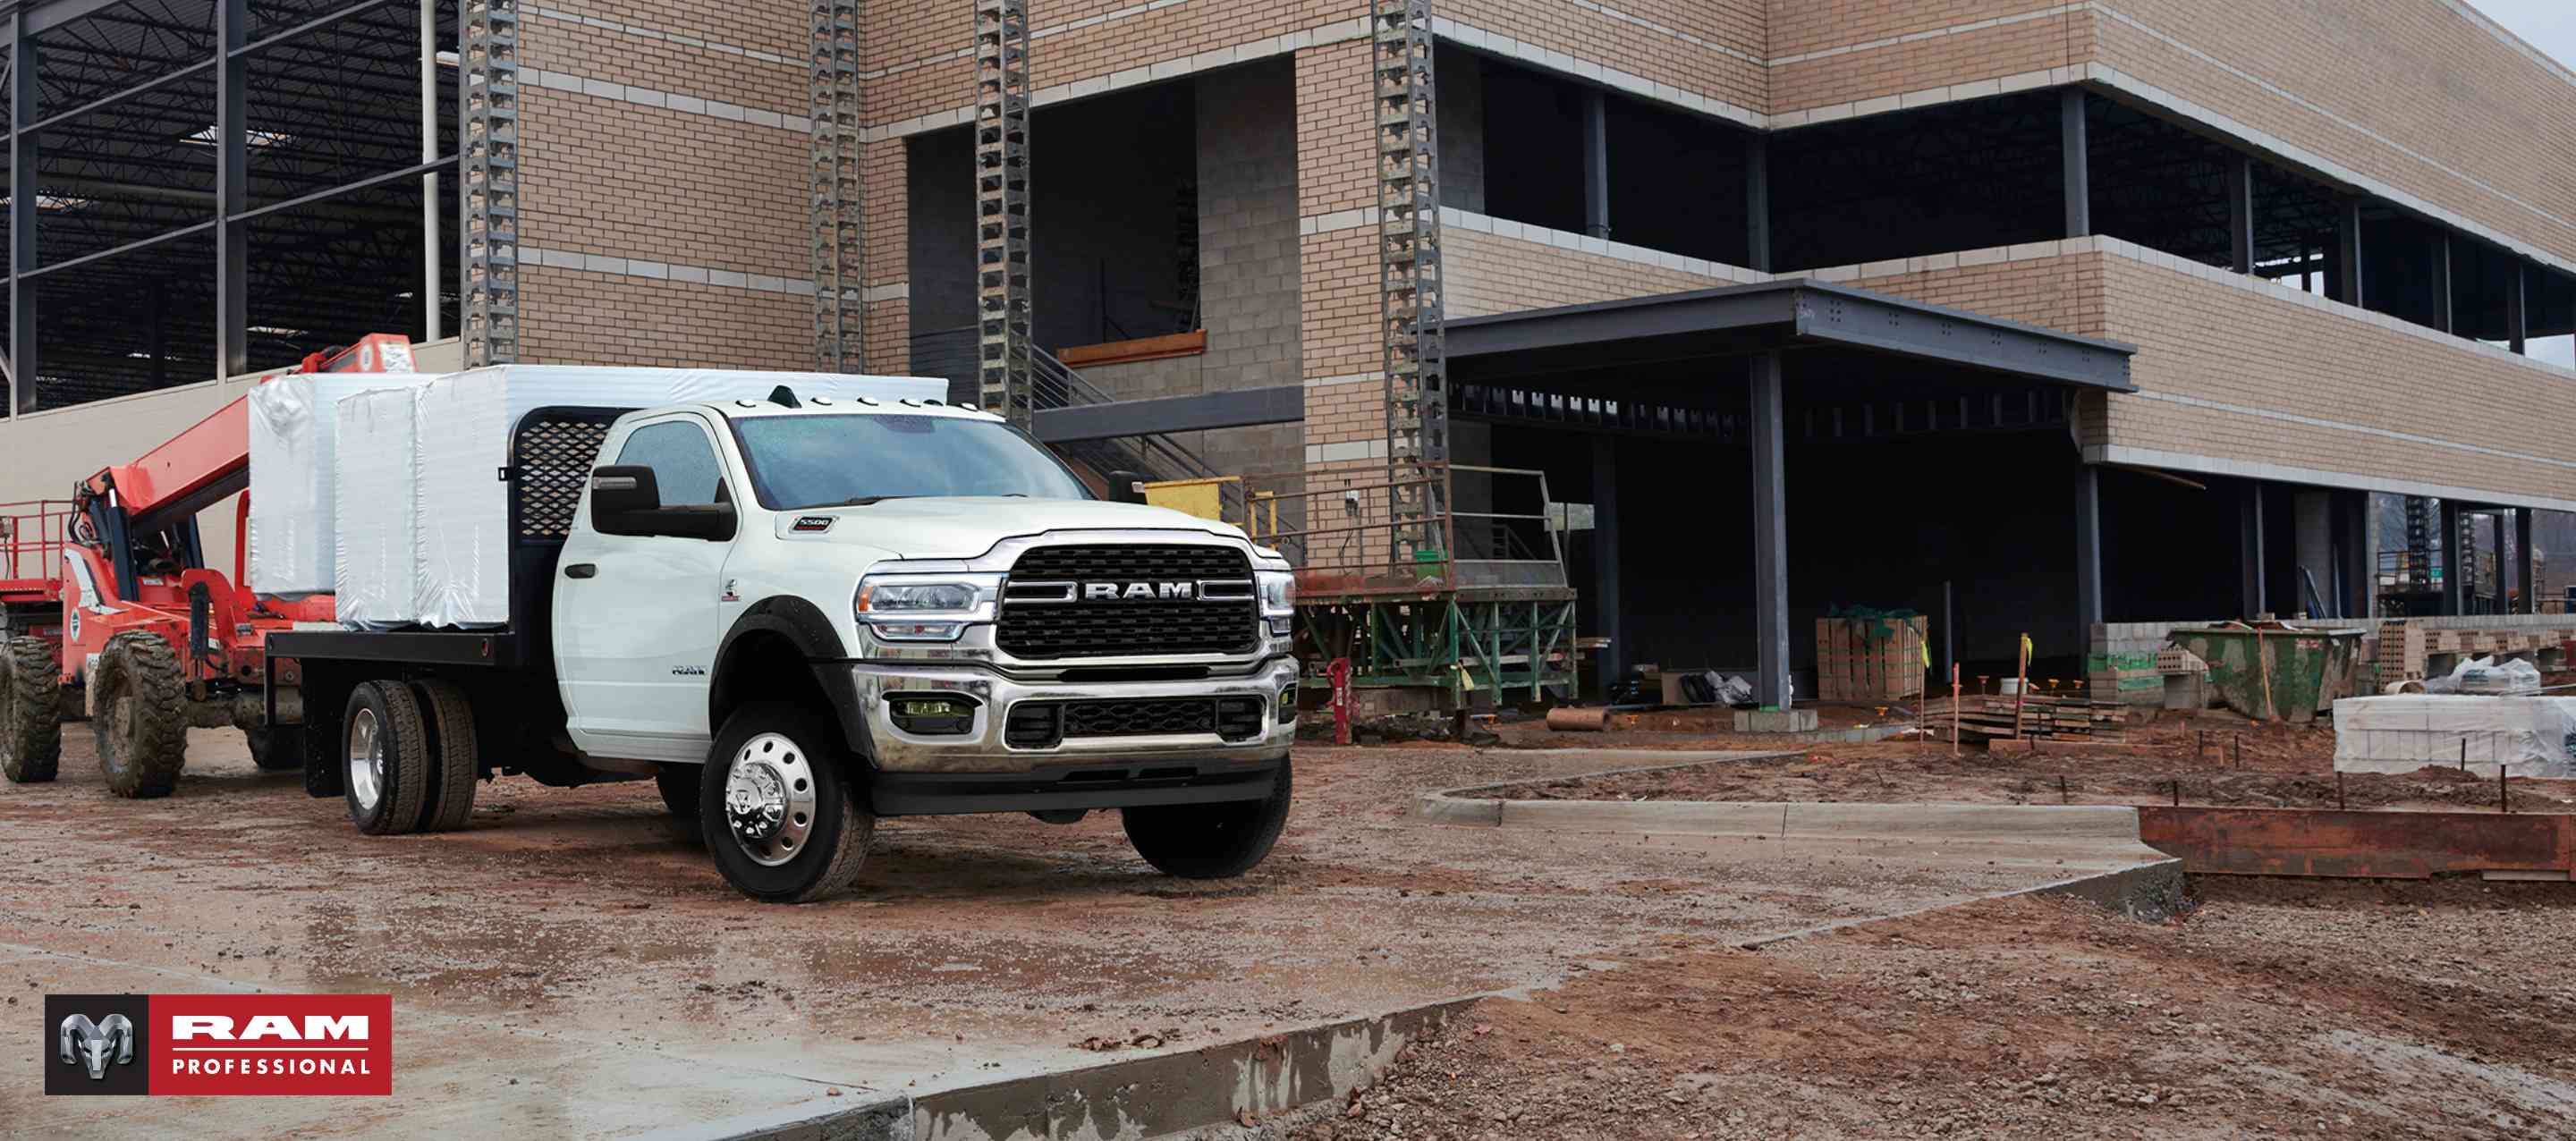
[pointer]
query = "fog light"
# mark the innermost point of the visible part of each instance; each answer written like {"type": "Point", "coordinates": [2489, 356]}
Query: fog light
{"type": "Point", "coordinates": [1279, 627]}
{"type": "Point", "coordinates": [1288, 706]}
{"type": "Point", "coordinates": [932, 716]}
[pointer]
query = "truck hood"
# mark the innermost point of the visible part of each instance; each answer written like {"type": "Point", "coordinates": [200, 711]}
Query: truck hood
{"type": "Point", "coordinates": [964, 527]}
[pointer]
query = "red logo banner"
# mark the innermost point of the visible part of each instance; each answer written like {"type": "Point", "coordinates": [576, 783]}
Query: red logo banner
{"type": "Point", "coordinates": [334, 1044]}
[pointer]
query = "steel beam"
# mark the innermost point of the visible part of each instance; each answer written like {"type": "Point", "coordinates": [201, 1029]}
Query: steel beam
{"type": "Point", "coordinates": [2503, 565]}
{"type": "Point", "coordinates": [432, 258]}
{"type": "Point", "coordinates": [2079, 187]}
{"type": "Point", "coordinates": [1757, 201]}
{"type": "Point", "coordinates": [2249, 547]}
{"type": "Point", "coordinates": [1596, 163]}
{"type": "Point", "coordinates": [2357, 563]}
{"type": "Point", "coordinates": [2088, 554]}
{"type": "Point", "coordinates": [2348, 283]}
{"type": "Point", "coordinates": [1770, 534]}
{"type": "Point", "coordinates": [232, 189]}
{"type": "Point", "coordinates": [2240, 213]}
{"type": "Point", "coordinates": [24, 95]}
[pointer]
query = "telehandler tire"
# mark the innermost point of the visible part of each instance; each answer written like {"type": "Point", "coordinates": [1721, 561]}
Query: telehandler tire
{"type": "Point", "coordinates": [31, 703]}
{"type": "Point", "coordinates": [142, 724]}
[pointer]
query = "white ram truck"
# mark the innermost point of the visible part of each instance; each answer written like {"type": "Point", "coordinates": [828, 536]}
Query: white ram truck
{"type": "Point", "coordinates": [799, 616]}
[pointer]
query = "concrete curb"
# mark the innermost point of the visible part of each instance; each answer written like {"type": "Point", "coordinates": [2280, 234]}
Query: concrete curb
{"type": "Point", "coordinates": [1153, 1096]}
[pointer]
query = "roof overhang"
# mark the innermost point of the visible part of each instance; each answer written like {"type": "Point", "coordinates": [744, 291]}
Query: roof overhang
{"type": "Point", "coordinates": [1786, 315]}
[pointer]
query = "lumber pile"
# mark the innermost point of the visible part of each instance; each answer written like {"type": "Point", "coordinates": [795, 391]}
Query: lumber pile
{"type": "Point", "coordinates": [1990, 717]}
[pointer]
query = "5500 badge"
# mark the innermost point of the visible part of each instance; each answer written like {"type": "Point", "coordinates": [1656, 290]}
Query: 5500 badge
{"type": "Point", "coordinates": [200, 1044]}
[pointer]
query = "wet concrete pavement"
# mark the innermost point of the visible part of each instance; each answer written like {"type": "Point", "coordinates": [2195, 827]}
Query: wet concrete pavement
{"type": "Point", "coordinates": [572, 963]}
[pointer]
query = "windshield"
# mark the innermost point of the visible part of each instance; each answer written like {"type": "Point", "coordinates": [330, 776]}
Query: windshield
{"type": "Point", "coordinates": [820, 461]}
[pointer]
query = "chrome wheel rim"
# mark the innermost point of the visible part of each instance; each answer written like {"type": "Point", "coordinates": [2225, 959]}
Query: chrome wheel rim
{"type": "Point", "coordinates": [769, 799]}
{"type": "Point", "coordinates": [366, 759]}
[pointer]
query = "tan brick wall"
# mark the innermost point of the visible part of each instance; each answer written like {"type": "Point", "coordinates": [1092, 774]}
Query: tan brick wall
{"type": "Point", "coordinates": [778, 27]}
{"type": "Point", "coordinates": [2212, 341]}
{"type": "Point", "coordinates": [664, 64]}
{"type": "Point", "coordinates": [1936, 61]}
{"type": "Point", "coordinates": [1490, 274]}
{"type": "Point", "coordinates": [576, 317]}
{"type": "Point", "coordinates": [2413, 73]}
{"type": "Point", "coordinates": [1720, 65]}
{"type": "Point", "coordinates": [614, 178]}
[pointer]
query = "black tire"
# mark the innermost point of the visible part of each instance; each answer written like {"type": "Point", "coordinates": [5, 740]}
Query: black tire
{"type": "Point", "coordinates": [456, 762]}
{"type": "Point", "coordinates": [839, 827]}
{"type": "Point", "coordinates": [31, 704]}
{"type": "Point", "coordinates": [142, 723]}
{"type": "Point", "coordinates": [383, 724]}
{"type": "Point", "coordinates": [277, 748]}
{"type": "Point", "coordinates": [679, 785]}
{"type": "Point", "coordinates": [1210, 841]}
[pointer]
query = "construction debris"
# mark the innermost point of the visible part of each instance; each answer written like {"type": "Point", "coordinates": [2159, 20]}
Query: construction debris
{"type": "Point", "coordinates": [1989, 717]}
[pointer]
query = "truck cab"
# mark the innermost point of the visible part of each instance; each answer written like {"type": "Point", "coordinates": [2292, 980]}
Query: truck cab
{"type": "Point", "coordinates": [806, 614]}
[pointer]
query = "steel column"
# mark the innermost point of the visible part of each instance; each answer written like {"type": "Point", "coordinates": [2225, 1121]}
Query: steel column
{"type": "Point", "coordinates": [2088, 554]}
{"type": "Point", "coordinates": [2358, 565]}
{"type": "Point", "coordinates": [2249, 549]}
{"type": "Point", "coordinates": [1007, 373]}
{"type": "Point", "coordinates": [2503, 565]}
{"type": "Point", "coordinates": [2348, 283]}
{"type": "Point", "coordinates": [2527, 570]}
{"type": "Point", "coordinates": [1596, 163]}
{"type": "Point", "coordinates": [232, 189]}
{"type": "Point", "coordinates": [2517, 309]}
{"type": "Point", "coordinates": [1606, 608]}
{"type": "Point", "coordinates": [1770, 533]}
{"type": "Point", "coordinates": [2240, 213]}
{"type": "Point", "coordinates": [2439, 281]}
{"type": "Point", "coordinates": [1757, 201]}
{"type": "Point", "coordinates": [838, 168]}
{"type": "Point", "coordinates": [2455, 559]}
{"type": "Point", "coordinates": [2071, 143]}
{"type": "Point", "coordinates": [23, 98]}
{"type": "Point", "coordinates": [1411, 310]}
{"type": "Point", "coordinates": [487, 80]}
{"type": "Point", "coordinates": [433, 285]}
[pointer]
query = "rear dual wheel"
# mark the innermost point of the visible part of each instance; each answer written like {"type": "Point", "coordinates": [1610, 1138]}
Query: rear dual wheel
{"type": "Point", "coordinates": [408, 757]}
{"type": "Point", "coordinates": [31, 702]}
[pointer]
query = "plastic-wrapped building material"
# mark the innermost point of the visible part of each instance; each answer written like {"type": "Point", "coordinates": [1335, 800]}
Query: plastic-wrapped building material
{"type": "Point", "coordinates": [465, 422]}
{"type": "Point", "coordinates": [2525, 736]}
{"type": "Point", "coordinates": [373, 510]}
{"type": "Point", "coordinates": [291, 471]}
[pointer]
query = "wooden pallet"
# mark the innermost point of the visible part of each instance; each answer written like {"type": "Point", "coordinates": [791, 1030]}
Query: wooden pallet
{"type": "Point", "coordinates": [1993, 717]}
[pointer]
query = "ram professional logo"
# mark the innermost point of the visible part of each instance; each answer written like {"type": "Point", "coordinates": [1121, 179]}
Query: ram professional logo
{"type": "Point", "coordinates": [97, 1045]}
{"type": "Point", "coordinates": [1138, 591]}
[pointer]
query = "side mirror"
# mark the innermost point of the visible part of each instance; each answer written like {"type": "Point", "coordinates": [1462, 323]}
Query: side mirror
{"type": "Point", "coordinates": [626, 499]}
{"type": "Point", "coordinates": [1123, 486]}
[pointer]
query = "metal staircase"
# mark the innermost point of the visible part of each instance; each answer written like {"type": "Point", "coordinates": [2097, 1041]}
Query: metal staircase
{"type": "Point", "coordinates": [1054, 384]}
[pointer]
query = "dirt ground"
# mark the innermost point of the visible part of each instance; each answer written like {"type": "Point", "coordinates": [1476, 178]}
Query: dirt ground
{"type": "Point", "coordinates": [2215, 760]}
{"type": "Point", "coordinates": [585, 936]}
{"type": "Point", "coordinates": [2279, 1008]}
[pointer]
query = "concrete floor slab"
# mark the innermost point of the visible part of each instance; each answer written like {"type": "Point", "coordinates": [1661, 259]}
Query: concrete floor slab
{"type": "Point", "coordinates": [580, 942]}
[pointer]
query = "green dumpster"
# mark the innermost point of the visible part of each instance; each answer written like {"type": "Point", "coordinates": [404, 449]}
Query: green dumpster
{"type": "Point", "coordinates": [2276, 672]}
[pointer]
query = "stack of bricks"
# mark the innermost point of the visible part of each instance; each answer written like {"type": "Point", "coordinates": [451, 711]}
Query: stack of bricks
{"type": "Point", "coordinates": [2122, 666]}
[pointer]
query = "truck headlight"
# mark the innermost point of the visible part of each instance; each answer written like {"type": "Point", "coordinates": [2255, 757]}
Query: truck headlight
{"type": "Point", "coordinates": [925, 607]}
{"type": "Point", "coordinates": [1278, 599]}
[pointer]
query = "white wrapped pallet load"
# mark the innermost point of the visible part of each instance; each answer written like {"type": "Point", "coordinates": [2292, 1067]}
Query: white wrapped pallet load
{"type": "Point", "coordinates": [2525, 736]}
{"type": "Point", "coordinates": [292, 429]}
{"type": "Point", "coordinates": [465, 422]}
{"type": "Point", "coordinates": [373, 510]}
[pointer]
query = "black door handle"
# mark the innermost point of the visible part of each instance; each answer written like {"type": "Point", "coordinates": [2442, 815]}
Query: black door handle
{"type": "Point", "coordinates": [582, 570]}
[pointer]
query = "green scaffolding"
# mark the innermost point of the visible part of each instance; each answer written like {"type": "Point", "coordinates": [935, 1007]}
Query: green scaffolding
{"type": "Point", "coordinates": [1476, 650]}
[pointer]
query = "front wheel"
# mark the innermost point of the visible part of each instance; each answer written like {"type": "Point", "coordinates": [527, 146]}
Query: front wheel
{"type": "Point", "coordinates": [779, 809]}
{"type": "Point", "coordinates": [1210, 841]}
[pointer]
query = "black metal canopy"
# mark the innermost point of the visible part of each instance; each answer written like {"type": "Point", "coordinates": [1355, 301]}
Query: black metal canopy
{"type": "Point", "coordinates": [1791, 316]}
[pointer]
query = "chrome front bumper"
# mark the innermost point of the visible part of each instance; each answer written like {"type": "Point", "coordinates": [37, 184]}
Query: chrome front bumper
{"type": "Point", "coordinates": [981, 749]}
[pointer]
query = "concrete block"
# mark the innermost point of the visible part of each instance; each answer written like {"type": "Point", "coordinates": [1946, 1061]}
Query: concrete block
{"type": "Point", "coordinates": [1775, 721]}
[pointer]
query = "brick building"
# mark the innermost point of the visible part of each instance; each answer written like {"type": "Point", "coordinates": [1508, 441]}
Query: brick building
{"type": "Point", "coordinates": [2338, 238]}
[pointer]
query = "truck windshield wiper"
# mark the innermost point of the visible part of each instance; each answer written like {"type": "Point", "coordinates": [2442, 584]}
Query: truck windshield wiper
{"type": "Point", "coordinates": [865, 500]}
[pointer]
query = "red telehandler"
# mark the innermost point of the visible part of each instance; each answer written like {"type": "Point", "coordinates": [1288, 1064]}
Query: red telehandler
{"type": "Point", "coordinates": [150, 641]}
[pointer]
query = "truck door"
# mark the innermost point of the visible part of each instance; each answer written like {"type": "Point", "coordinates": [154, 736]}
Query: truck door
{"type": "Point", "coordinates": [637, 619]}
